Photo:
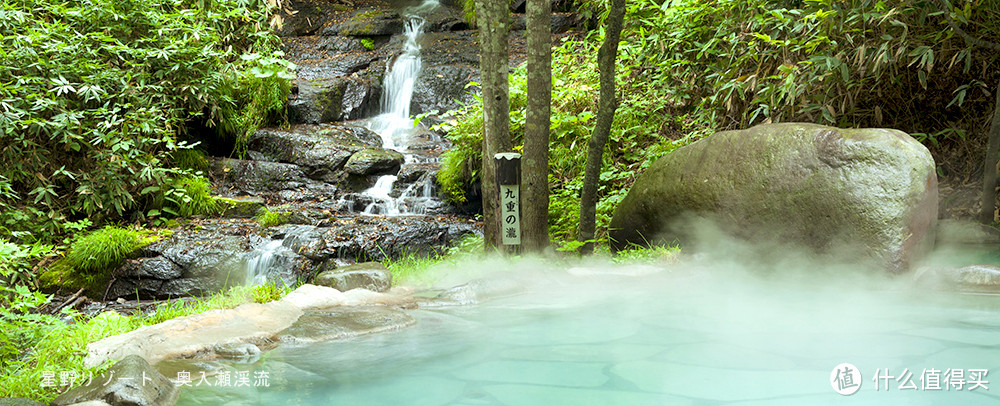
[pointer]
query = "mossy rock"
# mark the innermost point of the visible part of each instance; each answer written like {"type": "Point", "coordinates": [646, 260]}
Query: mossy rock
{"type": "Point", "coordinates": [93, 256]}
{"type": "Point", "coordinates": [865, 194]}
{"type": "Point", "coordinates": [367, 23]}
{"type": "Point", "coordinates": [64, 279]}
{"type": "Point", "coordinates": [240, 208]}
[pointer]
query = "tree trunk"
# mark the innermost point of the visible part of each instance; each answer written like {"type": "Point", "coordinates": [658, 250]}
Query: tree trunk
{"type": "Point", "coordinates": [493, 31]}
{"type": "Point", "coordinates": [990, 166]}
{"type": "Point", "coordinates": [605, 116]}
{"type": "Point", "coordinates": [535, 162]}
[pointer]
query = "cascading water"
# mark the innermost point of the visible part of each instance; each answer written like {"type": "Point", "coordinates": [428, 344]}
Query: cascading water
{"type": "Point", "coordinates": [394, 124]}
{"type": "Point", "coordinates": [261, 261]}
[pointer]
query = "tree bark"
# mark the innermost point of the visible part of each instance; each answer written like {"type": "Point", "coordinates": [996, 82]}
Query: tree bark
{"type": "Point", "coordinates": [605, 116]}
{"type": "Point", "coordinates": [535, 162]}
{"type": "Point", "coordinates": [990, 166]}
{"type": "Point", "coordinates": [493, 32]}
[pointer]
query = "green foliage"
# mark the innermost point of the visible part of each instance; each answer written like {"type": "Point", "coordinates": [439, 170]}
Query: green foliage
{"type": "Point", "coordinates": [638, 137]}
{"type": "Point", "coordinates": [182, 197]}
{"type": "Point", "coordinates": [469, 11]}
{"type": "Point", "coordinates": [420, 270]}
{"type": "Point", "coordinates": [267, 218]}
{"type": "Point", "coordinates": [92, 256]}
{"type": "Point", "coordinates": [636, 254]}
{"type": "Point", "coordinates": [16, 262]}
{"type": "Point", "coordinates": [106, 248]}
{"type": "Point", "coordinates": [368, 43]}
{"type": "Point", "coordinates": [857, 63]}
{"type": "Point", "coordinates": [102, 90]}
{"type": "Point", "coordinates": [688, 68]}
{"type": "Point", "coordinates": [190, 159]}
{"type": "Point", "coordinates": [268, 292]}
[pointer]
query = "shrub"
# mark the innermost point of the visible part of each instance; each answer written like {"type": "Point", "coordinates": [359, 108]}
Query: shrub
{"type": "Point", "coordinates": [102, 90]}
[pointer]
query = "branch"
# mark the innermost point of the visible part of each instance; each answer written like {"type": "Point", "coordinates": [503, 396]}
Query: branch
{"type": "Point", "coordinates": [973, 41]}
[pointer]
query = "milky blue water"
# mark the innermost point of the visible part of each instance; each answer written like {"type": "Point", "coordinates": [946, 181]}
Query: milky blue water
{"type": "Point", "coordinates": [654, 340]}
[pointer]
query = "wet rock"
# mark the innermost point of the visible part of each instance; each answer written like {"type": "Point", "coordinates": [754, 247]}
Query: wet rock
{"type": "Point", "coordinates": [238, 352]}
{"type": "Point", "coordinates": [256, 177]}
{"type": "Point", "coordinates": [410, 173]}
{"type": "Point", "coordinates": [959, 232]}
{"type": "Point", "coordinates": [18, 402]}
{"type": "Point", "coordinates": [197, 286]}
{"type": "Point", "coordinates": [139, 384]}
{"type": "Point", "coordinates": [368, 275]}
{"type": "Point", "coordinates": [377, 238]}
{"type": "Point", "coordinates": [361, 98]}
{"type": "Point", "coordinates": [149, 268]}
{"type": "Point", "coordinates": [450, 62]}
{"type": "Point", "coordinates": [870, 192]}
{"type": "Point", "coordinates": [318, 101]}
{"type": "Point", "coordinates": [311, 297]}
{"type": "Point", "coordinates": [345, 322]}
{"type": "Point", "coordinates": [305, 17]}
{"type": "Point", "coordinates": [367, 23]}
{"type": "Point", "coordinates": [191, 335]}
{"type": "Point", "coordinates": [444, 19]}
{"type": "Point", "coordinates": [337, 67]}
{"type": "Point", "coordinates": [304, 50]}
{"type": "Point", "coordinates": [443, 88]}
{"type": "Point", "coordinates": [373, 161]}
{"type": "Point", "coordinates": [320, 150]}
{"type": "Point", "coordinates": [199, 257]}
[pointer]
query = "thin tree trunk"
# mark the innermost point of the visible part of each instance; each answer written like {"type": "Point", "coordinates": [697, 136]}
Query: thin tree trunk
{"type": "Point", "coordinates": [990, 166]}
{"type": "Point", "coordinates": [605, 116]}
{"type": "Point", "coordinates": [493, 32]}
{"type": "Point", "coordinates": [535, 162]}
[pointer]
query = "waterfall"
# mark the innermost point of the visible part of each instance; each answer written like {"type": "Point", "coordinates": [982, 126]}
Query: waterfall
{"type": "Point", "coordinates": [261, 261]}
{"type": "Point", "coordinates": [382, 203]}
{"type": "Point", "coordinates": [394, 124]}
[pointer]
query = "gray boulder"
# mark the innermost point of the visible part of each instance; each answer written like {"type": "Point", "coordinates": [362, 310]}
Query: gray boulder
{"type": "Point", "coordinates": [868, 192]}
{"type": "Point", "coordinates": [374, 161]}
{"type": "Point", "coordinates": [138, 384]}
{"type": "Point", "coordinates": [320, 150]}
{"type": "Point", "coordinates": [368, 275]}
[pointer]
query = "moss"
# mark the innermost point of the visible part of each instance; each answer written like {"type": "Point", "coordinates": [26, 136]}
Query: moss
{"type": "Point", "coordinates": [93, 256]}
{"type": "Point", "coordinates": [239, 208]}
{"type": "Point", "coordinates": [368, 43]}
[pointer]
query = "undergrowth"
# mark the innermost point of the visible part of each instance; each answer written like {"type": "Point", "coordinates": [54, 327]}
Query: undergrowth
{"type": "Point", "coordinates": [32, 343]}
{"type": "Point", "coordinates": [103, 90]}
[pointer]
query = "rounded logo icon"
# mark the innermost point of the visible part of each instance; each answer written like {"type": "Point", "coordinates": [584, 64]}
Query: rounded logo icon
{"type": "Point", "coordinates": [845, 379]}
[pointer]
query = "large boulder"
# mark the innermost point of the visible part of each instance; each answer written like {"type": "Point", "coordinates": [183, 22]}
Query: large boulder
{"type": "Point", "coordinates": [138, 384]}
{"type": "Point", "coordinates": [868, 192]}
{"type": "Point", "coordinates": [374, 161]}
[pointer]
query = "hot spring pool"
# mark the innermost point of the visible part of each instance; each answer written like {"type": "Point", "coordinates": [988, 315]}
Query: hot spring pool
{"type": "Point", "coordinates": [655, 340]}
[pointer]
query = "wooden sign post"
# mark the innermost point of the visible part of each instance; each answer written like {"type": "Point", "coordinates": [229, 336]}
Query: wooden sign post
{"type": "Point", "coordinates": [509, 178]}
